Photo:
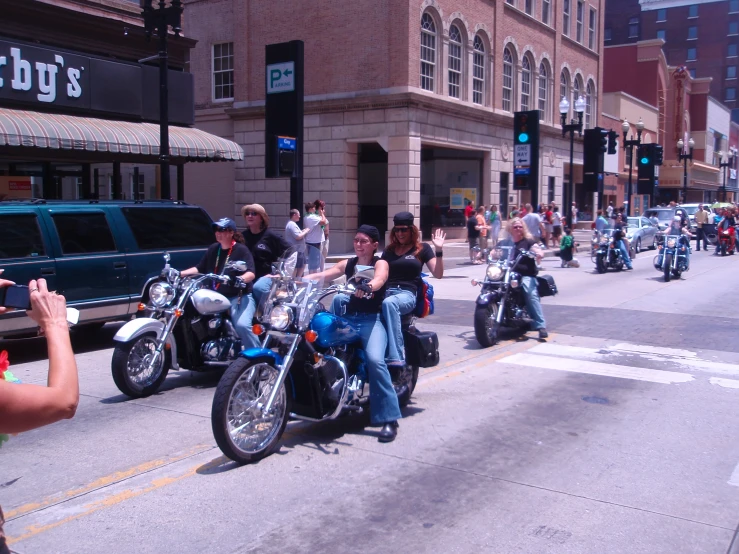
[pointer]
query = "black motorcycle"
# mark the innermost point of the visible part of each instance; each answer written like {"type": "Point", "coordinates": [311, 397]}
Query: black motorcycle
{"type": "Point", "coordinates": [502, 300]}
{"type": "Point", "coordinates": [608, 254]}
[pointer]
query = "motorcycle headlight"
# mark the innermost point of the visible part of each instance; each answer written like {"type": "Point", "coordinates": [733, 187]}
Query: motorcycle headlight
{"type": "Point", "coordinates": [280, 317]}
{"type": "Point", "coordinates": [494, 273]}
{"type": "Point", "coordinates": [671, 243]}
{"type": "Point", "coordinates": [604, 240]}
{"type": "Point", "coordinates": [161, 294]}
{"type": "Point", "coordinates": [514, 283]}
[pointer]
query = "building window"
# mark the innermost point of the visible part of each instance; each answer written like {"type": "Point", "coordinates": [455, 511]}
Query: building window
{"type": "Point", "coordinates": [529, 7]}
{"type": "Point", "coordinates": [223, 71]}
{"type": "Point", "coordinates": [634, 27]}
{"type": "Point", "coordinates": [627, 156]}
{"type": "Point", "coordinates": [661, 15]}
{"type": "Point", "coordinates": [692, 52]}
{"type": "Point", "coordinates": [525, 84]}
{"type": "Point", "coordinates": [580, 15]}
{"type": "Point", "coordinates": [507, 79]}
{"type": "Point", "coordinates": [731, 93]}
{"type": "Point", "coordinates": [566, 18]}
{"type": "Point", "coordinates": [607, 34]}
{"type": "Point", "coordinates": [591, 30]}
{"type": "Point", "coordinates": [511, 2]}
{"type": "Point", "coordinates": [543, 90]}
{"type": "Point", "coordinates": [576, 90]}
{"type": "Point", "coordinates": [589, 105]}
{"type": "Point", "coordinates": [692, 33]}
{"type": "Point", "coordinates": [731, 72]}
{"type": "Point", "coordinates": [478, 71]}
{"type": "Point", "coordinates": [731, 53]}
{"type": "Point", "coordinates": [734, 6]}
{"type": "Point", "coordinates": [692, 73]}
{"type": "Point", "coordinates": [564, 86]}
{"type": "Point", "coordinates": [662, 34]}
{"type": "Point", "coordinates": [546, 10]}
{"type": "Point", "coordinates": [693, 11]}
{"type": "Point", "coordinates": [733, 28]}
{"type": "Point", "coordinates": [428, 51]}
{"type": "Point", "coordinates": [455, 61]}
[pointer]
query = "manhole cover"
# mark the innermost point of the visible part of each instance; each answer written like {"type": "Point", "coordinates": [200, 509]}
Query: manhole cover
{"type": "Point", "coordinates": [595, 399]}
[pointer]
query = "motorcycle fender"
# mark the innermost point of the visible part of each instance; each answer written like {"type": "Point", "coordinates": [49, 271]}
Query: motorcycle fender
{"type": "Point", "coordinates": [262, 354]}
{"type": "Point", "coordinates": [487, 297]}
{"type": "Point", "coordinates": [142, 325]}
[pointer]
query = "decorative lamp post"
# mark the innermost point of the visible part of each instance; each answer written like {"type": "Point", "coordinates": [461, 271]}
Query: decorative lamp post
{"type": "Point", "coordinates": [726, 161]}
{"type": "Point", "coordinates": [158, 20]}
{"type": "Point", "coordinates": [572, 127]}
{"type": "Point", "coordinates": [630, 144]}
{"type": "Point", "coordinates": [684, 157]}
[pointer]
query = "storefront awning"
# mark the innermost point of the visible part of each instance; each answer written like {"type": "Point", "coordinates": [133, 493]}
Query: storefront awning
{"type": "Point", "coordinates": [66, 132]}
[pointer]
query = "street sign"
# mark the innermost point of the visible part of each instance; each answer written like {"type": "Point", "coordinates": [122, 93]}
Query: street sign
{"type": "Point", "coordinates": [280, 77]}
{"type": "Point", "coordinates": [522, 171]}
{"type": "Point", "coordinates": [286, 143]}
{"type": "Point", "coordinates": [522, 154]}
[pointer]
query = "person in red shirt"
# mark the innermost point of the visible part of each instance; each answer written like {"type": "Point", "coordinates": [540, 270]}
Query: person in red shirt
{"type": "Point", "coordinates": [468, 210]}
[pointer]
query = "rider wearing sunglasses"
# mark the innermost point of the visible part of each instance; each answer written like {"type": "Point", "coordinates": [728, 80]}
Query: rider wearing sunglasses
{"type": "Point", "coordinates": [405, 256]}
{"type": "Point", "coordinates": [265, 245]}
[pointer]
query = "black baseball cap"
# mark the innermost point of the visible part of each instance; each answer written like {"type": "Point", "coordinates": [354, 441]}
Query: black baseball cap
{"type": "Point", "coordinates": [403, 218]}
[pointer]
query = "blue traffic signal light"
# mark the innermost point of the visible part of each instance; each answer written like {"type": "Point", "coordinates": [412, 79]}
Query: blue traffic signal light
{"type": "Point", "coordinates": [644, 160]}
{"type": "Point", "coordinates": [523, 138]}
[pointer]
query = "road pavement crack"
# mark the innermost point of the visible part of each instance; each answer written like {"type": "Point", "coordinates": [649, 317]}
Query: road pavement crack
{"type": "Point", "coordinates": [734, 544]}
{"type": "Point", "coordinates": [134, 403]}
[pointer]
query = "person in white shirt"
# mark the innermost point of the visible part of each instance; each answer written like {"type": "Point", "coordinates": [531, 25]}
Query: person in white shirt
{"type": "Point", "coordinates": [295, 237]}
{"type": "Point", "coordinates": [313, 222]}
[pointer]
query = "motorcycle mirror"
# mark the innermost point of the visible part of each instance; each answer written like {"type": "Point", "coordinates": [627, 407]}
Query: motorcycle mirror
{"type": "Point", "coordinates": [167, 257]}
{"type": "Point", "coordinates": [239, 266]}
{"type": "Point", "coordinates": [367, 273]}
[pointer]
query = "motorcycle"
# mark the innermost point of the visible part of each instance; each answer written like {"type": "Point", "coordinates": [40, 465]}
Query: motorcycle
{"type": "Point", "coordinates": [502, 300]}
{"type": "Point", "coordinates": [310, 366]}
{"type": "Point", "coordinates": [672, 259]}
{"type": "Point", "coordinates": [726, 241]}
{"type": "Point", "coordinates": [185, 325]}
{"type": "Point", "coordinates": [608, 254]}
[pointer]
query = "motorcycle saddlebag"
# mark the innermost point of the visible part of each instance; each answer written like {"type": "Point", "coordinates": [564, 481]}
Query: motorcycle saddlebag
{"type": "Point", "coordinates": [421, 348]}
{"type": "Point", "coordinates": [546, 285]}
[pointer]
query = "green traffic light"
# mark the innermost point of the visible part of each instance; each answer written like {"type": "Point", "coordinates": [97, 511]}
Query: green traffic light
{"type": "Point", "coordinates": [645, 161]}
{"type": "Point", "coordinates": [523, 137]}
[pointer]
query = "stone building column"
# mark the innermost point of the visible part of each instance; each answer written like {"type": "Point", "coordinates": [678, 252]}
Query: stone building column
{"type": "Point", "coordinates": [404, 177]}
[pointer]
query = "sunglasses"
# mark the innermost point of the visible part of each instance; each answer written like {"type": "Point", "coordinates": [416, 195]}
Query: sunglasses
{"type": "Point", "coordinates": [251, 214]}
{"type": "Point", "coordinates": [222, 230]}
{"type": "Point", "coordinates": [361, 241]}
{"type": "Point", "coordinates": [401, 229]}
{"type": "Point", "coordinates": [517, 227]}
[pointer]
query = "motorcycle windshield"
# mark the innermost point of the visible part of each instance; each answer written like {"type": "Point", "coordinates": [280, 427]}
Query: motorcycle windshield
{"type": "Point", "coordinates": [502, 253]}
{"type": "Point", "coordinates": [296, 279]}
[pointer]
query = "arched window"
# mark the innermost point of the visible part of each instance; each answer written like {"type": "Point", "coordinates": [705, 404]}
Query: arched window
{"type": "Point", "coordinates": [428, 51]}
{"type": "Point", "coordinates": [478, 71]}
{"type": "Point", "coordinates": [543, 92]}
{"type": "Point", "coordinates": [564, 87]}
{"type": "Point", "coordinates": [525, 84]}
{"type": "Point", "coordinates": [507, 80]}
{"type": "Point", "coordinates": [455, 61]}
{"type": "Point", "coordinates": [590, 112]}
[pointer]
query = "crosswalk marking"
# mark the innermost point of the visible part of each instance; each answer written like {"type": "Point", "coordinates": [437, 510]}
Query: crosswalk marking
{"type": "Point", "coordinates": [598, 368]}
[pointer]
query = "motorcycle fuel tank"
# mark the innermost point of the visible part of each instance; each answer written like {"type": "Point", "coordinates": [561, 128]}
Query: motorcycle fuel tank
{"type": "Point", "coordinates": [333, 330]}
{"type": "Point", "coordinates": [209, 302]}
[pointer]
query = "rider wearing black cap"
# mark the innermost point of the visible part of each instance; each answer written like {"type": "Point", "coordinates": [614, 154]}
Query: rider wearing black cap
{"type": "Point", "coordinates": [405, 256]}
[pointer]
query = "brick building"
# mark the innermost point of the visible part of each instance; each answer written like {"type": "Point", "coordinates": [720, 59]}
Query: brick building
{"type": "Point", "coordinates": [405, 101]}
{"type": "Point", "coordinates": [702, 35]}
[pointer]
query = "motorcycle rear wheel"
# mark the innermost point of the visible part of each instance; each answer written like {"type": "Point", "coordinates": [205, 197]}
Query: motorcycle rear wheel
{"type": "Point", "coordinates": [668, 267]}
{"type": "Point", "coordinates": [486, 324]}
{"type": "Point", "coordinates": [129, 366]}
{"type": "Point", "coordinates": [406, 384]}
{"type": "Point", "coordinates": [242, 432]}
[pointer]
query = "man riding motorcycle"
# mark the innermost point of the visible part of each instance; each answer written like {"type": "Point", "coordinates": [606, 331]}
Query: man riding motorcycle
{"type": "Point", "coordinates": [677, 228]}
{"type": "Point", "coordinates": [521, 239]}
{"type": "Point", "coordinates": [619, 237]}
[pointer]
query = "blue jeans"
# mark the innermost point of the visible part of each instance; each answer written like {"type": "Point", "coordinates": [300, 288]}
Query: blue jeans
{"type": "Point", "coordinates": [338, 304]}
{"type": "Point", "coordinates": [533, 302]}
{"type": "Point", "coordinates": [384, 406]}
{"type": "Point", "coordinates": [397, 302]}
{"type": "Point", "coordinates": [242, 315]}
{"type": "Point", "coordinates": [624, 253]}
{"type": "Point", "coordinates": [261, 287]}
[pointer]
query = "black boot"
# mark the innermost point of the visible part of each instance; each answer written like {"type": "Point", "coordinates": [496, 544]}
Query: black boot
{"type": "Point", "coordinates": [389, 432]}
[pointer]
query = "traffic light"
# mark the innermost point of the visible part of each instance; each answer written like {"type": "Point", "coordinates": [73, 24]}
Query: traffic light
{"type": "Point", "coordinates": [645, 158]}
{"type": "Point", "coordinates": [657, 154]}
{"type": "Point", "coordinates": [612, 136]}
{"type": "Point", "coordinates": [526, 151]}
{"type": "Point", "coordinates": [594, 146]}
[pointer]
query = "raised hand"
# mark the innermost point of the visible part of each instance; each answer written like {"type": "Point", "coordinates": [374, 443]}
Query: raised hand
{"type": "Point", "coordinates": [48, 309]}
{"type": "Point", "coordinates": [438, 239]}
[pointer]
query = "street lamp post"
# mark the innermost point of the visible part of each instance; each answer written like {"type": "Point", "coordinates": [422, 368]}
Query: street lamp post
{"type": "Point", "coordinates": [572, 127]}
{"type": "Point", "coordinates": [683, 157]}
{"type": "Point", "coordinates": [729, 163]}
{"type": "Point", "coordinates": [630, 144]}
{"type": "Point", "coordinates": [158, 20]}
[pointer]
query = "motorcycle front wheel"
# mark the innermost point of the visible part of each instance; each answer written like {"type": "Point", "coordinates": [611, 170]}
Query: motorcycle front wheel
{"type": "Point", "coordinates": [600, 264]}
{"type": "Point", "coordinates": [486, 324]}
{"type": "Point", "coordinates": [668, 267]}
{"type": "Point", "coordinates": [406, 384]}
{"type": "Point", "coordinates": [242, 431]}
{"type": "Point", "coordinates": [131, 369]}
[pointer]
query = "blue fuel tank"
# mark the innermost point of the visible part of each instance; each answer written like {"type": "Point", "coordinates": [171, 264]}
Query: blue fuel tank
{"type": "Point", "coordinates": [333, 330]}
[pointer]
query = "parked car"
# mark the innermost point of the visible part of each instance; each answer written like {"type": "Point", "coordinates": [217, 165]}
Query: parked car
{"type": "Point", "coordinates": [101, 255]}
{"type": "Point", "coordinates": [641, 233]}
{"type": "Point", "coordinates": [664, 215]}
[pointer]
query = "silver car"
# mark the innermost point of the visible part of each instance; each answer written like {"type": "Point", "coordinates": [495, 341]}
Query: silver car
{"type": "Point", "coordinates": [641, 233]}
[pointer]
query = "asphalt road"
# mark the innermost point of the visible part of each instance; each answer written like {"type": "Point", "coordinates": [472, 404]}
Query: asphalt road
{"type": "Point", "coordinates": [618, 434]}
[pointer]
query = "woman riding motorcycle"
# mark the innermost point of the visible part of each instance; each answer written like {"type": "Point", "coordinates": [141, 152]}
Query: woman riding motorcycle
{"type": "Point", "coordinates": [680, 229]}
{"type": "Point", "coordinates": [727, 223]}
{"type": "Point", "coordinates": [363, 311]}
{"type": "Point", "coordinates": [230, 248]}
{"type": "Point", "coordinates": [405, 255]}
{"type": "Point", "coordinates": [265, 245]}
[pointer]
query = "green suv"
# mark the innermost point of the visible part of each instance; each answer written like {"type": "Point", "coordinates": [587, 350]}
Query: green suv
{"type": "Point", "coordinates": [101, 255]}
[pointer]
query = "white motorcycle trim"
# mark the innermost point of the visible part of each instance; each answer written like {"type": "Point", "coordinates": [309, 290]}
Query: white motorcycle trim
{"type": "Point", "coordinates": [142, 325]}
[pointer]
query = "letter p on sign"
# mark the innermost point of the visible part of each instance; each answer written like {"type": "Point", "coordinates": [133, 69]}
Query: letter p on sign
{"type": "Point", "coordinates": [280, 77]}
